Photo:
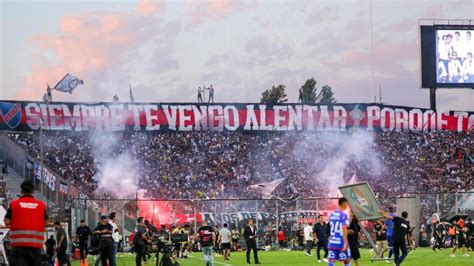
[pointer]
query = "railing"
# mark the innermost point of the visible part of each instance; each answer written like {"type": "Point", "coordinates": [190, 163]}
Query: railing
{"type": "Point", "coordinates": [268, 214]}
{"type": "Point", "coordinates": [16, 157]}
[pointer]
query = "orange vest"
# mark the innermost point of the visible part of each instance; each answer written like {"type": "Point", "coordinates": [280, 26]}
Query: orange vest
{"type": "Point", "coordinates": [27, 222]}
{"type": "Point", "coordinates": [452, 231]}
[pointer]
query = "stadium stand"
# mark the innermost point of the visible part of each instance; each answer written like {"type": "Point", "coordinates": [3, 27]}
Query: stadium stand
{"type": "Point", "coordinates": [429, 163]}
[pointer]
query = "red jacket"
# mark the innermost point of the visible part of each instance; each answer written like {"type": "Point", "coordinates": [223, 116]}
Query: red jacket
{"type": "Point", "coordinates": [27, 220]}
{"type": "Point", "coordinates": [281, 236]}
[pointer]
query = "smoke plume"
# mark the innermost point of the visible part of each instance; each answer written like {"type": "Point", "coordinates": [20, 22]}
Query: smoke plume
{"type": "Point", "coordinates": [330, 156]}
{"type": "Point", "coordinates": [117, 171]}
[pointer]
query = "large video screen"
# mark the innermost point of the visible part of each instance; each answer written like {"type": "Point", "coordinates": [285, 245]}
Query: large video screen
{"type": "Point", "coordinates": [454, 49]}
{"type": "Point", "coordinates": [447, 56]}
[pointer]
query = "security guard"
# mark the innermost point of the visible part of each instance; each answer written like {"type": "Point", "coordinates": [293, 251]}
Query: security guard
{"type": "Point", "coordinates": [26, 217]}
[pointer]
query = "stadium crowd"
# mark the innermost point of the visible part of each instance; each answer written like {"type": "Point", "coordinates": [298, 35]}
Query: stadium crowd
{"type": "Point", "coordinates": [218, 165]}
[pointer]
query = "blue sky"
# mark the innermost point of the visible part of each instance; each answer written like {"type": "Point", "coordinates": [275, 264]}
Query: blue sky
{"type": "Point", "coordinates": [167, 49]}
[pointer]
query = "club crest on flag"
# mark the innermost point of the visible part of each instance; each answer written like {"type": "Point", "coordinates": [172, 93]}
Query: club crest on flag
{"type": "Point", "coordinates": [364, 205]}
{"type": "Point", "coordinates": [11, 113]}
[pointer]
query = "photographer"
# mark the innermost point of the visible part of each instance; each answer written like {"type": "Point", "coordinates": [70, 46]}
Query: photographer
{"type": "Point", "coordinates": [183, 252]}
{"type": "Point", "coordinates": [161, 237]}
{"type": "Point", "coordinates": [180, 239]}
{"type": "Point", "coordinates": [150, 231]}
{"type": "Point", "coordinates": [139, 241]}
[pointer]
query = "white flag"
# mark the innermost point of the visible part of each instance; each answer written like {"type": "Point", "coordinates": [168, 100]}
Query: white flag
{"type": "Point", "coordinates": [267, 188]}
{"type": "Point", "coordinates": [68, 83]}
{"type": "Point", "coordinates": [353, 179]}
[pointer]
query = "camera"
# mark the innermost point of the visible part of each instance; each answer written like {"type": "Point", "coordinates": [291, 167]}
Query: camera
{"type": "Point", "coordinates": [180, 237]}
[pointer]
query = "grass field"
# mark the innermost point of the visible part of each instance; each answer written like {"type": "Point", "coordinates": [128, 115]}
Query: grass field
{"type": "Point", "coordinates": [422, 256]}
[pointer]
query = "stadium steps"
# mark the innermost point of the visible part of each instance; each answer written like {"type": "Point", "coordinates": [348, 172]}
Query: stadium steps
{"type": "Point", "coordinates": [13, 181]}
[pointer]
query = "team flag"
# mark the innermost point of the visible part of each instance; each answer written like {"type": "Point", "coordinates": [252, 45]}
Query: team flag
{"type": "Point", "coordinates": [267, 188]}
{"type": "Point", "coordinates": [353, 179]}
{"type": "Point", "coordinates": [68, 83]}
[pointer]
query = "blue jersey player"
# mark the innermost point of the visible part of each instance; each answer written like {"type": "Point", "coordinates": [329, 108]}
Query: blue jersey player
{"type": "Point", "coordinates": [389, 224]}
{"type": "Point", "coordinates": [338, 245]}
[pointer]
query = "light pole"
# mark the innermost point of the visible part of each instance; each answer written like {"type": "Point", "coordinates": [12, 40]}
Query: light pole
{"type": "Point", "coordinates": [41, 157]}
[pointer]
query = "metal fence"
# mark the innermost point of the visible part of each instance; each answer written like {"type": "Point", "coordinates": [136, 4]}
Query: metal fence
{"type": "Point", "coordinates": [269, 215]}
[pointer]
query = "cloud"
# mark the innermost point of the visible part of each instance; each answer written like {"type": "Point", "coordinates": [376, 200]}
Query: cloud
{"type": "Point", "coordinates": [98, 48]}
{"type": "Point", "coordinates": [258, 50]}
{"type": "Point", "coordinates": [203, 11]}
{"type": "Point", "coordinates": [148, 7]}
{"type": "Point", "coordinates": [241, 47]}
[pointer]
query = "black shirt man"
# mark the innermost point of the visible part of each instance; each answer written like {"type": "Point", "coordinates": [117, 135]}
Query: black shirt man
{"type": "Point", "coordinates": [320, 230]}
{"type": "Point", "coordinates": [250, 234]}
{"type": "Point", "coordinates": [353, 238]}
{"type": "Point", "coordinates": [83, 233]}
{"type": "Point", "coordinates": [139, 241]}
{"type": "Point", "coordinates": [400, 230]}
{"type": "Point", "coordinates": [217, 246]}
{"type": "Point", "coordinates": [106, 243]}
{"type": "Point", "coordinates": [207, 238]}
{"type": "Point", "coordinates": [62, 243]}
{"type": "Point", "coordinates": [470, 233]}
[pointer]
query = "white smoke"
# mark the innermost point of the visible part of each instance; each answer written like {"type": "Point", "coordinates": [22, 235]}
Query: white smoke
{"type": "Point", "coordinates": [117, 171]}
{"type": "Point", "coordinates": [328, 155]}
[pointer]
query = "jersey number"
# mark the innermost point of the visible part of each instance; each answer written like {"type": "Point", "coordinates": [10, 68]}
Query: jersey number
{"type": "Point", "coordinates": [336, 228]}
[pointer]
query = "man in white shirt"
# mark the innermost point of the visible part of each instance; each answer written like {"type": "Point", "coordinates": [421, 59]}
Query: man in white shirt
{"type": "Point", "coordinates": [468, 68]}
{"type": "Point", "coordinates": [455, 69]}
{"type": "Point", "coordinates": [115, 234]}
{"type": "Point", "coordinates": [444, 50]}
{"type": "Point", "coordinates": [468, 45]}
{"type": "Point", "coordinates": [224, 239]}
{"type": "Point", "coordinates": [308, 238]}
{"type": "Point", "coordinates": [457, 44]}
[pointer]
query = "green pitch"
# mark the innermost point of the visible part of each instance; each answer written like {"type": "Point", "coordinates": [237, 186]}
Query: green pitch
{"type": "Point", "coordinates": [422, 256]}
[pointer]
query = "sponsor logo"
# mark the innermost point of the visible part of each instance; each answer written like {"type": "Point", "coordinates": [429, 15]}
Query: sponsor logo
{"type": "Point", "coordinates": [331, 254]}
{"type": "Point", "coordinates": [28, 205]}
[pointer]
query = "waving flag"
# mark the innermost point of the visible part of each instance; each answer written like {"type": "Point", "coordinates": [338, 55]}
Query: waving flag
{"type": "Point", "coordinates": [68, 83]}
{"type": "Point", "coordinates": [267, 188]}
{"type": "Point", "coordinates": [353, 179]}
